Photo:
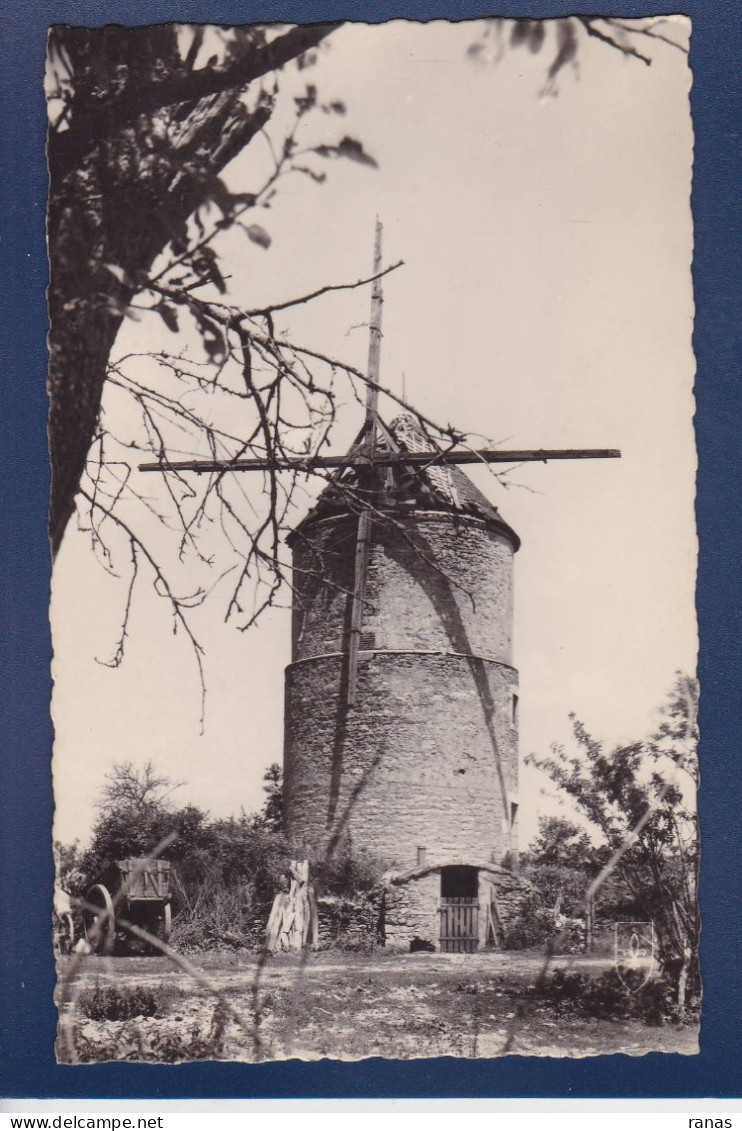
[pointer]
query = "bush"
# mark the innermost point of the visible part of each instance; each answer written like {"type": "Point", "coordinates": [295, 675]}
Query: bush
{"type": "Point", "coordinates": [534, 926]}
{"type": "Point", "coordinates": [219, 917]}
{"type": "Point", "coordinates": [608, 997]}
{"type": "Point", "coordinates": [135, 1042]}
{"type": "Point", "coordinates": [346, 874]}
{"type": "Point", "coordinates": [108, 1003]}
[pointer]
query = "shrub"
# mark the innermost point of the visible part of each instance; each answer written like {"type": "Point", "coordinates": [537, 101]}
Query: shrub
{"type": "Point", "coordinates": [534, 926]}
{"type": "Point", "coordinates": [537, 926]}
{"type": "Point", "coordinates": [608, 997]}
{"type": "Point", "coordinates": [135, 1042]}
{"type": "Point", "coordinates": [347, 874]}
{"type": "Point", "coordinates": [218, 916]}
{"type": "Point", "coordinates": [109, 1003]}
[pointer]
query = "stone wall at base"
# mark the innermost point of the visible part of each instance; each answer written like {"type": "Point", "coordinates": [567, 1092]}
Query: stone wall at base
{"type": "Point", "coordinates": [411, 906]}
{"type": "Point", "coordinates": [352, 924]}
{"type": "Point", "coordinates": [410, 910]}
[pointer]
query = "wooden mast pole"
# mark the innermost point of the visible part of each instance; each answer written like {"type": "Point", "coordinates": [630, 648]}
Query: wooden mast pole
{"type": "Point", "coordinates": [365, 519]}
{"type": "Point", "coordinates": [374, 343]}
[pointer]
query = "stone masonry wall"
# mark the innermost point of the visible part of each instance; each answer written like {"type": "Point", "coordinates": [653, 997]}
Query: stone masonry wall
{"type": "Point", "coordinates": [411, 905]}
{"type": "Point", "coordinates": [435, 581]}
{"type": "Point", "coordinates": [428, 759]}
{"type": "Point", "coordinates": [349, 923]}
{"type": "Point", "coordinates": [428, 756]}
{"type": "Point", "coordinates": [411, 911]}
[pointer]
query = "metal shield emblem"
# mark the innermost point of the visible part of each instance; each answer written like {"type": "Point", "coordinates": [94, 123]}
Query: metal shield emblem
{"type": "Point", "coordinates": [635, 953]}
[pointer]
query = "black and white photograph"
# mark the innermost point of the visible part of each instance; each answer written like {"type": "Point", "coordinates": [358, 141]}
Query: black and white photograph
{"type": "Point", "coordinates": [372, 512]}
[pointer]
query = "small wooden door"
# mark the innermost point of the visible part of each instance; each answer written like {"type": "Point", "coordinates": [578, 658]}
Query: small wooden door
{"type": "Point", "coordinates": [459, 924]}
{"type": "Point", "coordinates": [459, 910]}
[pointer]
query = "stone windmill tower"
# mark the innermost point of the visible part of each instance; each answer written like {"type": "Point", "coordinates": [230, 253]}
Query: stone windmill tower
{"type": "Point", "coordinates": [422, 758]}
{"type": "Point", "coordinates": [407, 744]}
{"type": "Point", "coordinates": [401, 708]}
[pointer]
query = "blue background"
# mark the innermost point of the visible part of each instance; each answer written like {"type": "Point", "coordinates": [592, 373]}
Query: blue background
{"type": "Point", "coordinates": [27, 1016]}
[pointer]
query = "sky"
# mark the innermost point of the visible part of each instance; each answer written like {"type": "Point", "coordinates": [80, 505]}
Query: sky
{"type": "Point", "coordinates": [545, 301]}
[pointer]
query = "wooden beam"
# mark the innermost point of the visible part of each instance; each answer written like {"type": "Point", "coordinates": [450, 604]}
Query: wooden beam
{"type": "Point", "coordinates": [363, 545]}
{"type": "Point", "coordinates": [311, 464]}
{"type": "Point", "coordinates": [374, 343]}
{"type": "Point", "coordinates": [365, 520]}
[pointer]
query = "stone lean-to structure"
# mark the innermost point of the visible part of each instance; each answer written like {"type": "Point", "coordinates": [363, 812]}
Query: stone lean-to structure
{"type": "Point", "coordinates": [421, 770]}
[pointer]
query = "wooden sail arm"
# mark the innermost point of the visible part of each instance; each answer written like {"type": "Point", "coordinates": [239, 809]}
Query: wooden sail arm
{"type": "Point", "coordinates": [311, 464]}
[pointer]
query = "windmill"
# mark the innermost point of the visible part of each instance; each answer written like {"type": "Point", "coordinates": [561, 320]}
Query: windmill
{"type": "Point", "coordinates": [401, 698]}
{"type": "Point", "coordinates": [373, 458]}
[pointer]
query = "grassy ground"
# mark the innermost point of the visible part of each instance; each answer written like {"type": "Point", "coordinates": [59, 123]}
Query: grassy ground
{"type": "Point", "coordinates": [340, 1006]}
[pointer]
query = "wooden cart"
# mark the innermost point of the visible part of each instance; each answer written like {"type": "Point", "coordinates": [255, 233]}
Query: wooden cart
{"type": "Point", "coordinates": [137, 891]}
{"type": "Point", "coordinates": [63, 923]}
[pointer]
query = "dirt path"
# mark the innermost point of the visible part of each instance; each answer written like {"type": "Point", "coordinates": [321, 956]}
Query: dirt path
{"type": "Point", "coordinates": [345, 1007]}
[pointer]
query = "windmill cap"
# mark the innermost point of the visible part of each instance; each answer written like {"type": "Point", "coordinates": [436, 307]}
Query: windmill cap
{"type": "Point", "coordinates": [439, 486]}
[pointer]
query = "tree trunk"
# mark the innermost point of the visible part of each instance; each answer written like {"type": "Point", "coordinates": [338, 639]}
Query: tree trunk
{"type": "Point", "coordinates": [135, 179]}
{"type": "Point", "coordinates": [108, 221]}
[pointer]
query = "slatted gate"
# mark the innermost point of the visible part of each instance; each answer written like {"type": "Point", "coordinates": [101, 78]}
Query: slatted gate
{"type": "Point", "coordinates": [459, 924]}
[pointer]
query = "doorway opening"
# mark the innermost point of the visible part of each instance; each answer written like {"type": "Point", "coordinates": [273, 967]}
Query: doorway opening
{"type": "Point", "coordinates": [459, 909]}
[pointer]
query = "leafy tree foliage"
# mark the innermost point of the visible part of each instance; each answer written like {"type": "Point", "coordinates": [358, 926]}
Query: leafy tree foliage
{"type": "Point", "coordinates": [561, 39]}
{"type": "Point", "coordinates": [141, 128]}
{"type": "Point", "coordinates": [640, 799]}
{"type": "Point", "coordinates": [561, 863]}
{"type": "Point", "coordinates": [225, 872]}
{"type": "Point", "coordinates": [70, 868]}
{"type": "Point", "coordinates": [270, 818]}
{"type": "Point", "coordinates": [561, 842]}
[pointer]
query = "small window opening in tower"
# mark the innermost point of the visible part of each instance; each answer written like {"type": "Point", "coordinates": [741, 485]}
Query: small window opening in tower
{"type": "Point", "coordinates": [514, 710]}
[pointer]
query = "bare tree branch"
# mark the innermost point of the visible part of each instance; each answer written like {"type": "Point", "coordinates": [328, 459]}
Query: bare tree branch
{"type": "Point", "coordinates": [322, 291]}
{"type": "Point", "coordinates": [589, 24]}
{"type": "Point", "coordinates": [648, 32]}
{"type": "Point", "coordinates": [177, 604]}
